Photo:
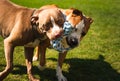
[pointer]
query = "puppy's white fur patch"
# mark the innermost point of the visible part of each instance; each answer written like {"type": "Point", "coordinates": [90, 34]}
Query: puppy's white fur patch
{"type": "Point", "coordinates": [79, 27]}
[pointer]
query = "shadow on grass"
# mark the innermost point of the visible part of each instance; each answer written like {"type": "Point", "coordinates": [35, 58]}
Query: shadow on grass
{"type": "Point", "coordinates": [90, 70]}
{"type": "Point", "coordinates": [80, 70]}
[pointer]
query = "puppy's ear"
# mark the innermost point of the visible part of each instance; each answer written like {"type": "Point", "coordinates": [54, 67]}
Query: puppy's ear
{"type": "Point", "coordinates": [90, 20]}
{"type": "Point", "coordinates": [34, 20]}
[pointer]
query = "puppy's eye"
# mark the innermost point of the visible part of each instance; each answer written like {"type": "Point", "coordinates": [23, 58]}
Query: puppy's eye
{"type": "Point", "coordinates": [76, 29]}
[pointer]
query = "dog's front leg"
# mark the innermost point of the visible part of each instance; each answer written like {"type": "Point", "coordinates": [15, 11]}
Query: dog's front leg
{"type": "Point", "coordinates": [8, 48]}
{"type": "Point", "coordinates": [42, 51]}
{"type": "Point", "coordinates": [59, 67]}
{"type": "Point", "coordinates": [28, 57]}
{"type": "Point", "coordinates": [36, 55]}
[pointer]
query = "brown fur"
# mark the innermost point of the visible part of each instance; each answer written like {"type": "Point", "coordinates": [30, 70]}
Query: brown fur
{"type": "Point", "coordinates": [18, 29]}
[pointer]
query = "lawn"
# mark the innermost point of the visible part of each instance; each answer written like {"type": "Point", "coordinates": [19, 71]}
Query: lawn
{"type": "Point", "coordinates": [96, 59]}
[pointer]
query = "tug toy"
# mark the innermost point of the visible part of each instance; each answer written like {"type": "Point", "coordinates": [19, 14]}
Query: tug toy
{"type": "Point", "coordinates": [56, 44]}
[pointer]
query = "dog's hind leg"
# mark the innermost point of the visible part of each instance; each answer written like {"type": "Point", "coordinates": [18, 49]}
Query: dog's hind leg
{"type": "Point", "coordinates": [59, 74]}
{"type": "Point", "coordinates": [8, 48]}
{"type": "Point", "coordinates": [28, 57]}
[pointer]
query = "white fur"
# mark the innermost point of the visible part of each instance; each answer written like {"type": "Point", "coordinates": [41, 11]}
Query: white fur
{"type": "Point", "coordinates": [35, 58]}
{"type": "Point", "coordinates": [55, 28]}
{"type": "Point", "coordinates": [79, 27]}
{"type": "Point", "coordinates": [59, 74]}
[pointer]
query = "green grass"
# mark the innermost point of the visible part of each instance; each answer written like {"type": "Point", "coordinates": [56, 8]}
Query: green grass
{"type": "Point", "coordinates": [98, 56]}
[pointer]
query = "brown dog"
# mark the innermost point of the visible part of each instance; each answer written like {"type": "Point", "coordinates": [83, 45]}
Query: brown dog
{"type": "Point", "coordinates": [20, 26]}
{"type": "Point", "coordinates": [81, 24]}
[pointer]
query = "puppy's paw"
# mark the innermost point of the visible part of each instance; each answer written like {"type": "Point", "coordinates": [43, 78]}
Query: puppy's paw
{"type": "Point", "coordinates": [41, 68]}
{"type": "Point", "coordinates": [62, 78]}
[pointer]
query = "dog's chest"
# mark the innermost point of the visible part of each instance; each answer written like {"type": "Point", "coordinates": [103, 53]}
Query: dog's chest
{"type": "Point", "coordinates": [36, 42]}
{"type": "Point", "coordinates": [33, 44]}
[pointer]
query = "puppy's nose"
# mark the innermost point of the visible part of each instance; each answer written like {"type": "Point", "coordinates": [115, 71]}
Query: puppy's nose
{"type": "Point", "coordinates": [72, 41]}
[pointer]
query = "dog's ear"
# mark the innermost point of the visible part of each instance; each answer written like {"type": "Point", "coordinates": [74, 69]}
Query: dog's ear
{"type": "Point", "coordinates": [90, 20]}
{"type": "Point", "coordinates": [34, 20]}
{"type": "Point", "coordinates": [77, 12]}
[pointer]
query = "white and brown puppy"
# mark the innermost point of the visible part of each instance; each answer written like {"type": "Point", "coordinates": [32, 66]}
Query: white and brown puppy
{"type": "Point", "coordinates": [20, 26]}
{"type": "Point", "coordinates": [81, 25]}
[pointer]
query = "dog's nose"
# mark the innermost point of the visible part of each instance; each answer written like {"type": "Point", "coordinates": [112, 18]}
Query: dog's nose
{"type": "Point", "coordinates": [72, 41]}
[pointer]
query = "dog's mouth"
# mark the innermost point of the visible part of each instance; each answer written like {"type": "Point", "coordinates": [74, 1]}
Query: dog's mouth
{"type": "Point", "coordinates": [72, 41]}
{"type": "Point", "coordinates": [54, 36]}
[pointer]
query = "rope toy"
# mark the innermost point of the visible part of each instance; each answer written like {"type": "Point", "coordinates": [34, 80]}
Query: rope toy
{"type": "Point", "coordinates": [56, 44]}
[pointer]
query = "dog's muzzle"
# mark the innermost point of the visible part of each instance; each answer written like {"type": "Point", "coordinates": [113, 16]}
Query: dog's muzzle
{"type": "Point", "coordinates": [72, 41]}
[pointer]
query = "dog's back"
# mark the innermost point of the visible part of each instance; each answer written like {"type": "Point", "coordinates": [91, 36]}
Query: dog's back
{"type": "Point", "coordinates": [6, 7]}
{"type": "Point", "coordinates": [10, 14]}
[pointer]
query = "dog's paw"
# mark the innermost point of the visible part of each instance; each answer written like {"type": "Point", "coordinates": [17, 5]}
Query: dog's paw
{"type": "Point", "coordinates": [35, 58]}
{"type": "Point", "coordinates": [60, 75]}
{"type": "Point", "coordinates": [61, 78]}
{"type": "Point", "coordinates": [41, 68]}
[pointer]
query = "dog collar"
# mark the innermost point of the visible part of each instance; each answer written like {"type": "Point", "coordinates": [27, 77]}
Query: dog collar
{"type": "Point", "coordinates": [56, 44]}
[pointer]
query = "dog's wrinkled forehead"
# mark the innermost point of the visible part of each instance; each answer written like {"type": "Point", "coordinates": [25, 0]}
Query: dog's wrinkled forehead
{"type": "Point", "coordinates": [47, 13]}
{"type": "Point", "coordinates": [82, 28]}
{"type": "Point", "coordinates": [50, 15]}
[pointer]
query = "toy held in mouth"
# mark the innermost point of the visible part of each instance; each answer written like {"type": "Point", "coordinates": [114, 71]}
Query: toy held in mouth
{"type": "Point", "coordinates": [56, 44]}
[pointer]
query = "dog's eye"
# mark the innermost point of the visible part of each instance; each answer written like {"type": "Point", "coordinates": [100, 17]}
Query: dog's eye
{"type": "Point", "coordinates": [76, 29]}
{"type": "Point", "coordinates": [48, 26]}
{"type": "Point", "coordinates": [60, 23]}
